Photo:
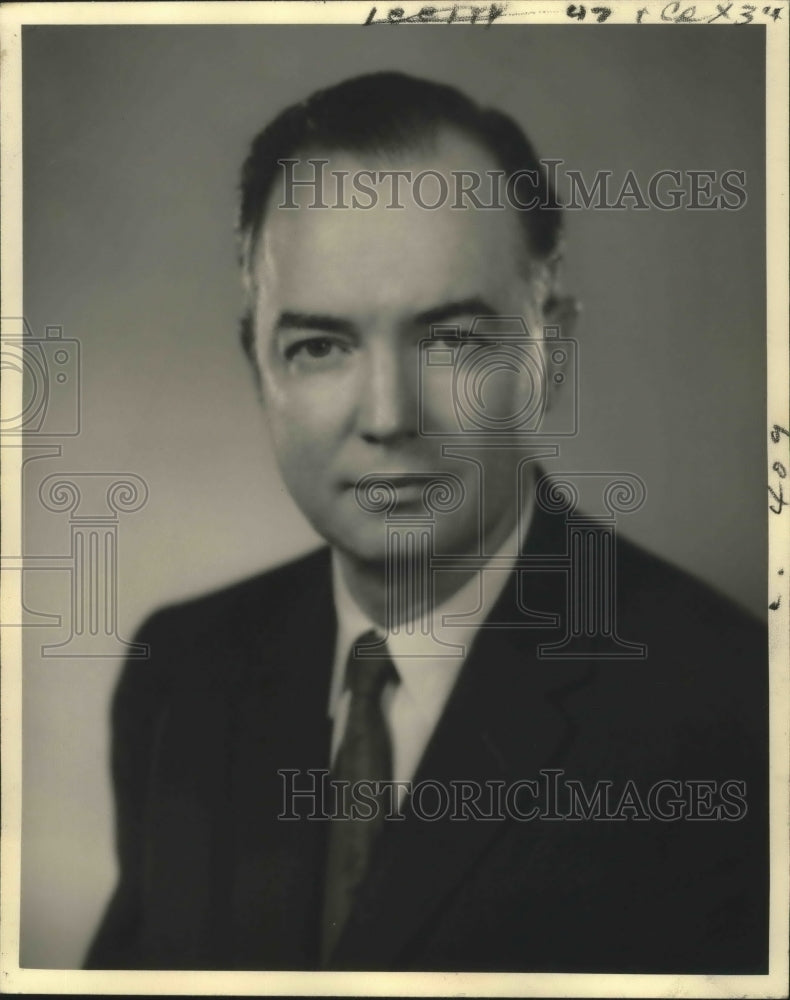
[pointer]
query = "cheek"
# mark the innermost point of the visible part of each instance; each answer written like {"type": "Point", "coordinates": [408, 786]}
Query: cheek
{"type": "Point", "coordinates": [516, 394]}
{"type": "Point", "coordinates": [484, 387]}
{"type": "Point", "coordinates": [437, 407]}
{"type": "Point", "coordinates": [307, 418]}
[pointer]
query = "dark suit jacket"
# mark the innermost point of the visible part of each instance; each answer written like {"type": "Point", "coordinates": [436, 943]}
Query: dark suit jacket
{"type": "Point", "coordinates": [236, 688]}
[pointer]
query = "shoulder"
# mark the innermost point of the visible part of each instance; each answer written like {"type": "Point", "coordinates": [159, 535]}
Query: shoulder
{"type": "Point", "coordinates": [197, 646]}
{"type": "Point", "coordinates": [267, 596]}
{"type": "Point", "coordinates": [644, 591]}
{"type": "Point", "coordinates": [653, 592]}
{"type": "Point", "coordinates": [699, 692]}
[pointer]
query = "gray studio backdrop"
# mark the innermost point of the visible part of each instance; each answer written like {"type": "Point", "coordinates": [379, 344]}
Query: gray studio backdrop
{"type": "Point", "coordinates": [132, 141]}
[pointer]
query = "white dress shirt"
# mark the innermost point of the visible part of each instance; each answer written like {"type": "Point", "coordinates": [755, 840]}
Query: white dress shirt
{"type": "Point", "coordinates": [412, 708]}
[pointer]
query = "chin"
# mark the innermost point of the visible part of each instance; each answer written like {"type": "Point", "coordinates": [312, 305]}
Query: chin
{"type": "Point", "coordinates": [363, 538]}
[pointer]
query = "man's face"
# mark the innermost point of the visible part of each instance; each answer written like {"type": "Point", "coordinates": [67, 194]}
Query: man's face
{"type": "Point", "coordinates": [343, 298]}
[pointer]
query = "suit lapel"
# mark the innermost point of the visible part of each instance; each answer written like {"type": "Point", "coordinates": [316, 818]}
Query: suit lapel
{"type": "Point", "coordinates": [504, 722]}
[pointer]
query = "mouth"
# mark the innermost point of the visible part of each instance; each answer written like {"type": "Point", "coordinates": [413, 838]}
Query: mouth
{"type": "Point", "coordinates": [406, 487]}
{"type": "Point", "coordinates": [408, 490]}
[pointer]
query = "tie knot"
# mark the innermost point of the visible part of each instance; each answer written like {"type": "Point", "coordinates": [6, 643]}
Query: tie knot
{"type": "Point", "coordinates": [367, 674]}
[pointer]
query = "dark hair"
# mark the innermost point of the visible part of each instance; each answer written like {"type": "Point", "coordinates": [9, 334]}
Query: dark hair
{"type": "Point", "coordinates": [383, 113]}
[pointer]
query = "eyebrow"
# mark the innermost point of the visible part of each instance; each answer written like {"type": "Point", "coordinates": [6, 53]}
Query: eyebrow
{"type": "Point", "coordinates": [313, 321]}
{"type": "Point", "coordinates": [474, 306]}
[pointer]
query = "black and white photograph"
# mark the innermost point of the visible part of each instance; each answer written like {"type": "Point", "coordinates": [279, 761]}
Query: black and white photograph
{"type": "Point", "coordinates": [395, 499]}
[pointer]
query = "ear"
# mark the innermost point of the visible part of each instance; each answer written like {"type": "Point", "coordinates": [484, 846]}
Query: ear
{"type": "Point", "coordinates": [560, 311]}
{"type": "Point", "coordinates": [247, 340]}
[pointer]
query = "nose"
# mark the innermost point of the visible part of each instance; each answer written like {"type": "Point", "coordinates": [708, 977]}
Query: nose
{"type": "Point", "coordinates": [387, 412]}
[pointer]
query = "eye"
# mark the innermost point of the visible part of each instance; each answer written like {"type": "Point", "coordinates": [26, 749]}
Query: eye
{"type": "Point", "coordinates": [450, 338]}
{"type": "Point", "coordinates": [317, 348]}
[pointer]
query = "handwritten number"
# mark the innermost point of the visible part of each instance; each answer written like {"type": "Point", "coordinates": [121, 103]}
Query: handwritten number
{"type": "Point", "coordinates": [579, 12]}
{"type": "Point", "coordinates": [671, 12]}
{"type": "Point", "coordinates": [781, 471]}
{"type": "Point", "coordinates": [779, 497]}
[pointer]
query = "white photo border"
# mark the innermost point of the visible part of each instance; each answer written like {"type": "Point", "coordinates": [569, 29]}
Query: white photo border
{"type": "Point", "coordinates": [13, 17]}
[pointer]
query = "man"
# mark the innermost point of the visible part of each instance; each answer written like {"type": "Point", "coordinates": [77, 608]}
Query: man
{"type": "Point", "coordinates": [425, 645]}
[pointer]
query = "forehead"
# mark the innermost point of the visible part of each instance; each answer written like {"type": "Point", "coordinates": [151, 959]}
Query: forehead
{"type": "Point", "coordinates": [355, 258]}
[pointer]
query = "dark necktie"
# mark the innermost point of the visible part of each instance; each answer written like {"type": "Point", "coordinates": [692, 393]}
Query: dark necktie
{"type": "Point", "coordinates": [365, 754]}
